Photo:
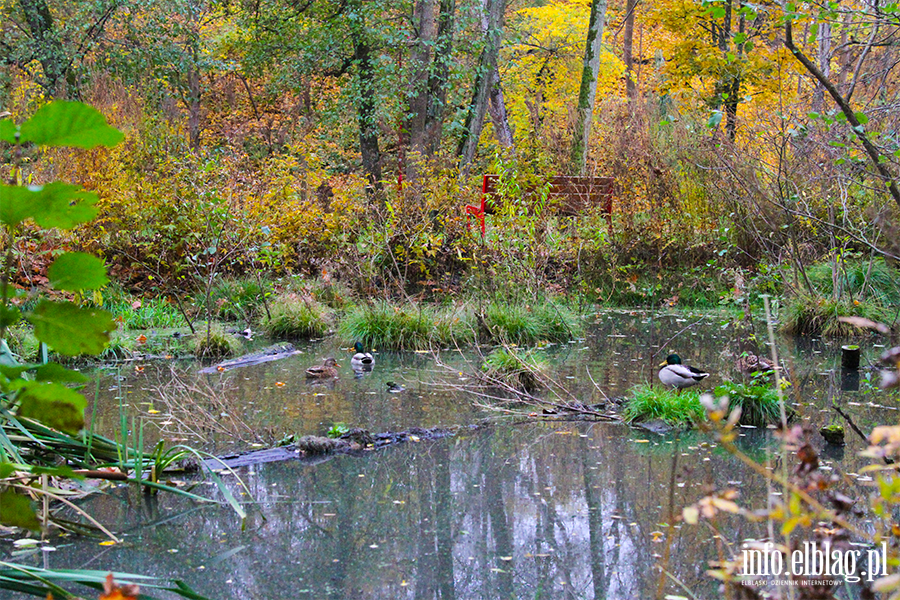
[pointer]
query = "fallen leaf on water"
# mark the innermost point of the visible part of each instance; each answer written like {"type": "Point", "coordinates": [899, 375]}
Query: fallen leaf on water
{"type": "Point", "coordinates": [111, 591]}
{"type": "Point", "coordinates": [108, 543]}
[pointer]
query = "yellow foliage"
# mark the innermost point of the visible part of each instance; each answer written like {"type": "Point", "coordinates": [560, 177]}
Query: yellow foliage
{"type": "Point", "coordinates": [545, 66]}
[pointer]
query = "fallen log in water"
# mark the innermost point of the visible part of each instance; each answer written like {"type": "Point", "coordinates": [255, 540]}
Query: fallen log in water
{"type": "Point", "coordinates": [312, 447]}
{"type": "Point", "coordinates": [269, 354]}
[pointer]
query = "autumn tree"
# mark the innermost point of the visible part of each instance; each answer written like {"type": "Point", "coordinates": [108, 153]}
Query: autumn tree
{"type": "Point", "coordinates": [56, 36]}
{"type": "Point", "coordinates": [588, 91]}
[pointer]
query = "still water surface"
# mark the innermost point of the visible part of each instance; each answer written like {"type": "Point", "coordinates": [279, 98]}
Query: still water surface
{"type": "Point", "coordinates": [510, 510]}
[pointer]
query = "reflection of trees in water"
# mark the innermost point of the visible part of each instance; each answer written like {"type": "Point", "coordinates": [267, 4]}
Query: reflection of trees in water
{"type": "Point", "coordinates": [510, 512]}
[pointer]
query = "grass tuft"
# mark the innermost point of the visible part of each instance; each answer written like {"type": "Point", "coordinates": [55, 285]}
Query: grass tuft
{"type": "Point", "coordinates": [218, 344]}
{"type": "Point", "coordinates": [518, 368]}
{"type": "Point", "coordinates": [293, 316]}
{"type": "Point", "coordinates": [651, 402]}
{"type": "Point", "coordinates": [526, 324]}
{"type": "Point", "coordinates": [759, 403]}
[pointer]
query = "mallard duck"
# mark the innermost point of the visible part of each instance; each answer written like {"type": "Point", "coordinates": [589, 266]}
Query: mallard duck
{"type": "Point", "coordinates": [327, 370]}
{"type": "Point", "coordinates": [362, 359]}
{"type": "Point", "coordinates": [748, 364]}
{"type": "Point", "coordinates": [680, 376]}
{"type": "Point", "coordinates": [394, 388]}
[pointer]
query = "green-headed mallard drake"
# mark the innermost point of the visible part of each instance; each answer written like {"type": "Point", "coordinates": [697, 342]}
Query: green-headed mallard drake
{"type": "Point", "coordinates": [362, 359]}
{"type": "Point", "coordinates": [680, 376]}
{"type": "Point", "coordinates": [327, 370]}
{"type": "Point", "coordinates": [748, 364]}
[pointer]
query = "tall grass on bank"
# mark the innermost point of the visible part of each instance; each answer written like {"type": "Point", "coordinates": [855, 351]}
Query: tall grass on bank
{"type": "Point", "coordinates": [408, 327]}
{"type": "Point", "coordinates": [293, 316]}
{"type": "Point", "coordinates": [859, 288]}
{"type": "Point", "coordinates": [526, 324]}
{"type": "Point", "coordinates": [810, 315]}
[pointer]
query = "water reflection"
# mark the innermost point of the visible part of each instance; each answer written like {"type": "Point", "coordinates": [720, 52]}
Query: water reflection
{"type": "Point", "coordinates": [549, 510]}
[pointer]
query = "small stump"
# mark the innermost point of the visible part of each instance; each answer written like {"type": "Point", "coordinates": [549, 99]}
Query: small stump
{"type": "Point", "coordinates": [833, 434]}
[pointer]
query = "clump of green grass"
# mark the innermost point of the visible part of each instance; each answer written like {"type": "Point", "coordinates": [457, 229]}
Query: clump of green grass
{"type": "Point", "coordinates": [238, 299]}
{"type": "Point", "coordinates": [648, 403]}
{"type": "Point", "coordinates": [219, 343]}
{"type": "Point", "coordinates": [526, 324]}
{"type": "Point", "coordinates": [819, 315]}
{"type": "Point", "coordinates": [144, 313]}
{"type": "Point", "coordinates": [293, 316]}
{"type": "Point", "coordinates": [22, 342]}
{"type": "Point", "coordinates": [759, 403]}
{"type": "Point", "coordinates": [874, 280]}
{"type": "Point", "coordinates": [381, 325]}
{"type": "Point", "coordinates": [518, 368]}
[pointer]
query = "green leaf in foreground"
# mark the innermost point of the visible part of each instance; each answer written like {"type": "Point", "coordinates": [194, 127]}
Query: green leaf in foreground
{"type": "Point", "coordinates": [71, 330]}
{"type": "Point", "coordinates": [56, 204]}
{"type": "Point", "coordinates": [76, 271]}
{"type": "Point", "coordinates": [62, 123]}
{"type": "Point", "coordinates": [7, 131]}
{"type": "Point", "coordinates": [52, 404]}
{"type": "Point", "coordinates": [16, 510]}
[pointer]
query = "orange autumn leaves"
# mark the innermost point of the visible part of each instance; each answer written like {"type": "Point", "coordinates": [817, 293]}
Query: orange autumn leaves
{"type": "Point", "coordinates": [113, 591]}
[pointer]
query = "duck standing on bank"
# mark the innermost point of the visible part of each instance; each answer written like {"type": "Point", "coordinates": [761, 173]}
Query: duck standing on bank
{"type": "Point", "coordinates": [680, 376]}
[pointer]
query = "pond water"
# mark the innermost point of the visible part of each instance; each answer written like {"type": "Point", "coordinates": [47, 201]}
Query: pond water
{"type": "Point", "coordinates": [537, 509]}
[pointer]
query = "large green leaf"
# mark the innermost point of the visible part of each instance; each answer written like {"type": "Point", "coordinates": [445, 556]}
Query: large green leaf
{"type": "Point", "coordinates": [62, 123]}
{"type": "Point", "coordinates": [7, 131]}
{"type": "Point", "coordinates": [56, 204]}
{"type": "Point", "coordinates": [76, 271]}
{"type": "Point", "coordinates": [58, 373]}
{"type": "Point", "coordinates": [71, 330]}
{"type": "Point", "coordinates": [9, 315]}
{"type": "Point", "coordinates": [16, 510]}
{"type": "Point", "coordinates": [52, 404]}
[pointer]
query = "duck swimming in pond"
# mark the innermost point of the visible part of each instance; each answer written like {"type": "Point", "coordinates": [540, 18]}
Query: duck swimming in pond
{"type": "Point", "coordinates": [327, 370]}
{"type": "Point", "coordinates": [362, 360]}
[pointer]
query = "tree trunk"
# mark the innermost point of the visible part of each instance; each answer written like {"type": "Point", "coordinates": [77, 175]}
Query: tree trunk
{"type": "Point", "coordinates": [193, 81]}
{"type": "Point", "coordinates": [366, 114]}
{"type": "Point", "coordinates": [492, 23]}
{"type": "Point", "coordinates": [420, 63]}
{"type": "Point", "coordinates": [588, 91]}
{"type": "Point", "coordinates": [49, 49]}
{"type": "Point", "coordinates": [499, 116]}
{"type": "Point", "coordinates": [818, 100]}
{"type": "Point", "coordinates": [440, 73]}
{"type": "Point", "coordinates": [627, 50]}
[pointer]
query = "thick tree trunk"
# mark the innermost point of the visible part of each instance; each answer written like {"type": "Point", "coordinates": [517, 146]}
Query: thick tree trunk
{"type": "Point", "coordinates": [588, 91]}
{"type": "Point", "coordinates": [420, 65]}
{"type": "Point", "coordinates": [440, 73]}
{"type": "Point", "coordinates": [499, 116]}
{"type": "Point", "coordinates": [492, 23]}
{"type": "Point", "coordinates": [49, 49]}
{"type": "Point", "coordinates": [824, 64]}
{"type": "Point", "coordinates": [366, 114]}
{"type": "Point", "coordinates": [627, 49]}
